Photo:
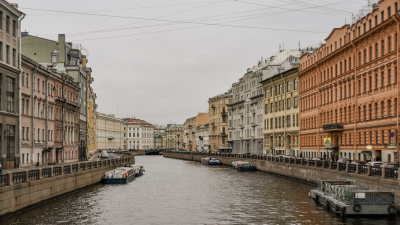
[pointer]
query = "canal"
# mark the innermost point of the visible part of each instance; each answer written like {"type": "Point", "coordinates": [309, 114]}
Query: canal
{"type": "Point", "coordinates": [185, 192]}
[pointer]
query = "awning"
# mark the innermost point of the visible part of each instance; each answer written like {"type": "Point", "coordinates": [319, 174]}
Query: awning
{"type": "Point", "coordinates": [366, 152]}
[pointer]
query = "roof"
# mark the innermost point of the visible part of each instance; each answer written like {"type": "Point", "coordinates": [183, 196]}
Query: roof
{"type": "Point", "coordinates": [141, 122]}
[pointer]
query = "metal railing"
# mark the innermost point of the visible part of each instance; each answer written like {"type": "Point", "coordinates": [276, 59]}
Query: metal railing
{"type": "Point", "coordinates": [33, 175]}
{"type": "Point", "coordinates": [292, 160]}
{"type": "Point", "coordinates": [334, 165]}
{"type": "Point", "coordinates": [57, 171]}
{"type": "Point", "coordinates": [3, 180]}
{"type": "Point", "coordinates": [312, 162]}
{"type": "Point", "coordinates": [363, 169]}
{"type": "Point", "coordinates": [19, 177]}
{"type": "Point", "coordinates": [376, 171]}
{"type": "Point", "coordinates": [326, 165]}
{"type": "Point", "coordinates": [46, 172]}
{"type": "Point", "coordinates": [75, 168]}
{"type": "Point", "coordinates": [391, 173]}
{"type": "Point", "coordinates": [319, 163]}
{"type": "Point", "coordinates": [305, 162]}
{"type": "Point", "coordinates": [298, 161]}
{"type": "Point", "coordinates": [342, 166]}
{"type": "Point", "coordinates": [67, 169]}
{"type": "Point", "coordinates": [352, 168]}
{"type": "Point", "coordinates": [82, 166]}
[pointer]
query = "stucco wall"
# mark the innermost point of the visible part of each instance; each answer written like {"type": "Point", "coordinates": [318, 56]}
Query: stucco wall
{"type": "Point", "coordinates": [307, 173]}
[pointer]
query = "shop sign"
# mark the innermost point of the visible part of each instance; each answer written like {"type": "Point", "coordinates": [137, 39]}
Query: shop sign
{"type": "Point", "coordinates": [392, 146]}
{"type": "Point", "coordinates": [369, 147]}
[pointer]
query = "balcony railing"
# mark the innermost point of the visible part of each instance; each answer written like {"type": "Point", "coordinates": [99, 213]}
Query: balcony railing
{"type": "Point", "coordinates": [253, 124]}
{"type": "Point", "coordinates": [223, 114]}
{"type": "Point", "coordinates": [333, 126]}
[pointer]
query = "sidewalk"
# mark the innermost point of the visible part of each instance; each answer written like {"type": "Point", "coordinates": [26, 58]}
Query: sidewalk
{"type": "Point", "coordinates": [91, 159]}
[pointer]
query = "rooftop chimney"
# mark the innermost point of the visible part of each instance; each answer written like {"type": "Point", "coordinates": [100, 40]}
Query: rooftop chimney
{"type": "Point", "coordinates": [61, 48]}
{"type": "Point", "coordinates": [24, 33]}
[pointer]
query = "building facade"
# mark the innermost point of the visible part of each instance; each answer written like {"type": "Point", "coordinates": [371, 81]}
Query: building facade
{"type": "Point", "coordinates": [281, 113]}
{"type": "Point", "coordinates": [66, 58]}
{"type": "Point", "coordinates": [349, 90]}
{"type": "Point", "coordinates": [91, 114]}
{"type": "Point", "coordinates": [218, 123]}
{"type": "Point", "coordinates": [110, 132]}
{"type": "Point", "coordinates": [10, 70]}
{"type": "Point", "coordinates": [246, 113]}
{"type": "Point", "coordinates": [37, 114]}
{"type": "Point", "coordinates": [139, 134]}
{"type": "Point", "coordinates": [189, 134]}
{"type": "Point", "coordinates": [174, 137]}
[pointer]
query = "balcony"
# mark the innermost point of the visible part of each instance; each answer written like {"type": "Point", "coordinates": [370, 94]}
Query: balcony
{"type": "Point", "coordinates": [223, 134]}
{"type": "Point", "coordinates": [253, 124]}
{"type": "Point", "coordinates": [241, 126]}
{"type": "Point", "coordinates": [333, 127]}
{"type": "Point", "coordinates": [241, 113]}
{"type": "Point", "coordinates": [253, 111]}
{"type": "Point", "coordinates": [201, 137]}
{"type": "Point", "coordinates": [110, 138]}
{"type": "Point", "coordinates": [223, 114]}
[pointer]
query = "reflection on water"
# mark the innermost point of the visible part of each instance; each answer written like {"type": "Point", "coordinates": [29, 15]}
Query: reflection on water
{"type": "Point", "coordinates": [185, 192]}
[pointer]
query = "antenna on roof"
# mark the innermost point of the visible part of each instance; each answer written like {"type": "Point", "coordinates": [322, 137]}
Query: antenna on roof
{"type": "Point", "coordinates": [299, 46]}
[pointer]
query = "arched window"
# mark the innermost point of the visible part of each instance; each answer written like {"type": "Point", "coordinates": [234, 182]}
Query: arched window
{"type": "Point", "coordinates": [295, 84]}
{"type": "Point", "coordinates": [288, 86]}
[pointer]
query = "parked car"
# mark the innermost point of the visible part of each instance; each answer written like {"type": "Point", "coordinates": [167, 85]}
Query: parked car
{"type": "Point", "coordinates": [317, 158]}
{"type": "Point", "coordinates": [390, 165]}
{"type": "Point", "coordinates": [104, 154]}
{"type": "Point", "coordinates": [345, 160]}
{"type": "Point", "coordinates": [375, 164]}
{"type": "Point", "coordinates": [358, 162]}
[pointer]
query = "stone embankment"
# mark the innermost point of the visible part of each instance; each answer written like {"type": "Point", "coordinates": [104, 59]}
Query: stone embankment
{"type": "Point", "coordinates": [22, 189]}
{"type": "Point", "coordinates": [309, 170]}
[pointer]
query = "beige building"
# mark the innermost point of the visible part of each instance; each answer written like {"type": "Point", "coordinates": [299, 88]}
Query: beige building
{"type": "Point", "coordinates": [139, 134]}
{"type": "Point", "coordinates": [174, 136]}
{"type": "Point", "coordinates": [189, 134]}
{"type": "Point", "coordinates": [110, 132]}
{"type": "Point", "coordinates": [281, 113]}
{"type": "Point", "coordinates": [218, 123]}
{"type": "Point", "coordinates": [91, 114]}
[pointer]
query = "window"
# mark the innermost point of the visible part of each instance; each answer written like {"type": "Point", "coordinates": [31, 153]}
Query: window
{"type": "Point", "coordinates": [370, 54]}
{"type": "Point", "coordinates": [7, 24]}
{"type": "Point", "coordinates": [389, 44]}
{"type": "Point", "coordinates": [1, 16]}
{"type": "Point", "coordinates": [295, 84]}
{"type": "Point", "coordinates": [376, 81]}
{"type": "Point", "coordinates": [14, 56]}
{"type": "Point", "coordinates": [14, 28]}
{"type": "Point", "coordinates": [389, 77]}
{"type": "Point", "coordinates": [376, 51]}
{"type": "Point", "coordinates": [8, 54]}
{"type": "Point", "coordinates": [383, 48]}
{"type": "Point", "coordinates": [376, 20]}
{"type": "Point", "coordinates": [10, 93]}
{"type": "Point", "coordinates": [370, 24]}
{"type": "Point", "coordinates": [288, 103]}
{"type": "Point", "coordinates": [295, 102]}
{"type": "Point", "coordinates": [38, 85]}
{"type": "Point", "coordinates": [382, 16]}
{"type": "Point", "coordinates": [359, 59]}
{"type": "Point", "coordinates": [288, 86]}
{"type": "Point", "coordinates": [389, 12]}
{"type": "Point", "coordinates": [365, 56]}
{"type": "Point", "coordinates": [383, 79]}
{"type": "Point", "coordinates": [266, 109]}
{"type": "Point", "coordinates": [10, 133]}
{"type": "Point", "coordinates": [350, 63]}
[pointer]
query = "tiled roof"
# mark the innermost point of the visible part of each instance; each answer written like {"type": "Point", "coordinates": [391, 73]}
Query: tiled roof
{"type": "Point", "coordinates": [142, 122]}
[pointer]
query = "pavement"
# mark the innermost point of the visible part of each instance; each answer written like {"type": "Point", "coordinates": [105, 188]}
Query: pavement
{"type": "Point", "coordinates": [93, 158]}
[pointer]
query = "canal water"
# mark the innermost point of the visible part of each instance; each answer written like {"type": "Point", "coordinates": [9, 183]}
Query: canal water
{"type": "Point", "coordinates": [185, 192]}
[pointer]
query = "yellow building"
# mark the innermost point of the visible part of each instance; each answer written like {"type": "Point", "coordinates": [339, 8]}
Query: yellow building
{"type": "Point", "coordinates": [91, 113]}
{"type": "Point", "coordinates": [218, 124]}
{"type": "Point", "coordinates": [174, 136]}
{"type": "Point", "coordinates": [110, 132]}
{"type": "Point", "coordinates": [189, 134]}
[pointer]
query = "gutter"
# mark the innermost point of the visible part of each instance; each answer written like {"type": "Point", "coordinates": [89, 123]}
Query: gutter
{"type": "Point", "coordinates": [33, 111]}
{"type": "Point", "coordinates": [19, 90]}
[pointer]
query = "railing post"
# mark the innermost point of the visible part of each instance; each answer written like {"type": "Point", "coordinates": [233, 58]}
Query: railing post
{"type": "Point", "coordinates": [330, 164]}
{"type": "Point", "coordinates": [383, 172]}
{"type": "Point", "coordinates": [398, 177]}
{"type": "Point", "coordinates": [357, 168]}
{"type": "Point", "coordinates": [347, 167]}
{"type": "Point", "coordinates": [301, 161]}
{"type": "Point", "coordinates": [369, 170]}
{"type": "Point", "coordinates": [27, 176]}
{"type": "Point", "coordinates": [40, 174]}
{"type": "Point", "coordinates": [62, 170]}
{"type": "Point", "coordinates": [51, 171]}
{"type": "Point", "coordinates": [316, 163]}
{"type": "Point", "coordinates": [323, 163]}
{"type": "Point", "coordinates": [308, 162]}
{"type": "Point", "coordinates": [337, 166]}
{"type": "Point", "coordinates": [85, 165]}
{"type": "Point", "coordinates": [10, 180]}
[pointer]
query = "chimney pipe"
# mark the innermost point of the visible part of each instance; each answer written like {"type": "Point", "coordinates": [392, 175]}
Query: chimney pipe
{"type": "Point", "coordinates": [280, 48]}
{"type": "Point", "coordinates": [61, 48]}
{"type": "Point", "coordinates": [299, 46]}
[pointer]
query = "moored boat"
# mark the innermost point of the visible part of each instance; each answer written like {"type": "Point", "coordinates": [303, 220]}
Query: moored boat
{"type": "Point", "coordinates": [138, 169]}
{"type": "Point", "coordinates": [210, 161]}
{"type": "Point", "coordinates": [245, 166]}
{"type": "Point", "coordinates": [349, 199]}
{"type": "Point", "coordinates": [120, 175]}
{"type": "Point", "coordinates": [235, 164]}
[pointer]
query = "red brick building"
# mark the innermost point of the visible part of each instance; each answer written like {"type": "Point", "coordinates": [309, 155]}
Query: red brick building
{"type": "Point", "coordinates": [349, 89]}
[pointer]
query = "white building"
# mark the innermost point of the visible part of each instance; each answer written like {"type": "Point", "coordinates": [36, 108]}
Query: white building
{"type": "Point", "coordinates": [139, 134]}
{"type": "Point", "coordinates": [202, 138]}
{"type": "Point", "coordinates": [110, 131]}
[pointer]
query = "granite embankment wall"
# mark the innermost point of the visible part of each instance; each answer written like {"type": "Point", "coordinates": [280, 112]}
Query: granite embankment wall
{"type": "Point", "coordinates": [306, 172]}
{"type": "Point", "coordinates": [19, 190]}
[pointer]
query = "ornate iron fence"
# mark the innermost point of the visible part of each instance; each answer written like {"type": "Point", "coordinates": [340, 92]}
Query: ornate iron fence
{"type": "Point", "coordinates": [334, 166]}
{"type": "Point", "coordinates": [46, 172]}
{"type": "Point", "coordinates": [305, 162]}
{"type": "Point", "coordinates": [376, 171]}
{"type": "Point", "coordinates": [82, 166]}
{"type": "Point", "coordinates": [326, 165]}
{"type": "Point", "coordinates": [319, 163]}
{"type": "Point", "coordinates": [391, 173]}
{"type": "Point", "coordinates": [342, 166]}
{"type": "Point", "coordinates": [67, 169]}
{"type": "Point", "coordinates": [292, 160]}
{"type": "Point", "coordinates": [75, 168]}
{"type": "Point", "coordinates": [312, 162]}
{"type": "Point", "coordinates": [3, 180]}
{"type": "Point", "coordinates": [19, 177]}
{"type": "Point", "coordinates": [89, 165]}
{"type": "Point", "coordinates": [33, 175]}
{"type": "Point", "coordinates": [363, 169]}
{"type": "Point", "coordinates": [352, 168]}
{"type": "Point", "coordinates": [298, 161]}
{"type": "Point", "coordinates": [94, 165]}
{"type": "Point", "coordinates": [57, 171]}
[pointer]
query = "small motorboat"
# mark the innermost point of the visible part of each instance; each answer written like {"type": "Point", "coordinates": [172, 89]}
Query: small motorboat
{"type": "Point", "coordinates": [120, 175]}
{"type": "Point", "coordinates": [138, 169]}
{"type": "Point", "coordinates": [245, 166]}
{"type": "Point", "coordinates": [210, 161]}
{"type": "Point", "coordinates": [235, 164]}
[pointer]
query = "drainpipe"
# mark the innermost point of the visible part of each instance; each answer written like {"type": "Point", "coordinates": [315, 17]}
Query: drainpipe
{"type": "Point", "coordinates": [19, 89]}
{"type": "Point", "coordinates": [355, 105]}
{"type": "Point", "coordinates": [33, 112]}
{"type": "Point", "coordinates": [319, 84]}
{"type": "Point", "coordinates": [397, 103]}
{"type": "Point", "coordinates": [63, 120]}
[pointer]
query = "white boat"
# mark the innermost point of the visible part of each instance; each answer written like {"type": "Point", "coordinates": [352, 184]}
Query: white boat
{"type": "Point", "coordinates": [120, 175]}
{"type": "Point", "coordinates": [210, 161]}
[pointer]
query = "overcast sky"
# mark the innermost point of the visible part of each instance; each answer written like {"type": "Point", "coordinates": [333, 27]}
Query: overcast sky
{"type": "Point", "coordinates": [160, 60]}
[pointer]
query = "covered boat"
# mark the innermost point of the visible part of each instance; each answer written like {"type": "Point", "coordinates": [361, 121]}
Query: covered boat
{"type": "Point", "coordinates": [210, 161]}
{"type": "Point", "coordinates": [120, 175]}
{"type": "Point", "coordinates": [235, 164]}
{"type": "Point", "coordinates": [245, 166]}
{"type": "Point", "coordinates": [349, 199]}
{"type": "Point", "coordinates": [138, 169]}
